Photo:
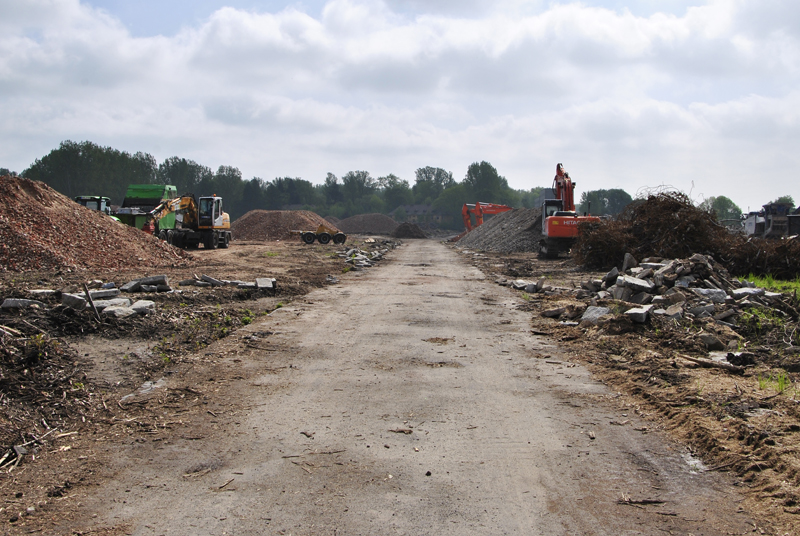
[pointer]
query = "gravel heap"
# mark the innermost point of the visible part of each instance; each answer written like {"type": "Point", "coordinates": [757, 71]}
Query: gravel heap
{"type": "Point", "coordinates": [41, 229]}
{"type": "Point", "coordinates": [517, 230]}
{"type": "Point", "coordinates": [276, 224]}
{"type": "Point", "coordinates": [409, 230]}
{"type": "Point", "coordinates": [368, 224]}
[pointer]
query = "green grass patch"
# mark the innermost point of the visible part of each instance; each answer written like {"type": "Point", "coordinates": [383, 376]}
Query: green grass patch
{"type": "Point", "coordinates": [775, 285]}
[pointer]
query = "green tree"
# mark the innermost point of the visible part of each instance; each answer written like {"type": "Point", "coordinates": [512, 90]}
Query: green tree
{"type": "Point", "coordinates": [724, 208]}
{"type": "Point", "coordinates": [185, 175]}
{"type": "Point", "coordinates": [430, 182]}
{"type": "Point", "coordinates": [603, 202]}
{"type": "Point", "coordinates": [333, 190]}
{"type": "Point", "coordinates": [358, 184]}
{"type": "Point", "coordinates": [486, 185]}
{"type": "Point", "coordinates": [395, 192]}
{"type": "Point", "coordinates": [786, 199]}
{"type": "Point", "coordinates": [254, 195]}
{"type": "Point", "coordinates": [6, 171]}
{"type": "Point", "coordinates": [449, 205]}
{"type": "Point", "coordinates": [86, 168]}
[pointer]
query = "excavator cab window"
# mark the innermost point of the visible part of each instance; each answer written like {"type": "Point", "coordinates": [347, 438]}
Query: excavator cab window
{"type": "Point", "coordinates": [552, 206]}
{"type": "Point", "coordinates": [206, 211]}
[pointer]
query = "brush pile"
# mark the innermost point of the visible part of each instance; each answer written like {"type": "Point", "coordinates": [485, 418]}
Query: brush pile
{"type": "Point", "coordinates": [409, 230]}
{"type": "Point", "coordinates": [668, 225]}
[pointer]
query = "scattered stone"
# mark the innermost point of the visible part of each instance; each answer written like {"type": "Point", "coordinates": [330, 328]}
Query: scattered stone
{"type": "Point", "coordinates": [144, 307]}
{"type": "Point", "coordinates": [17, 303]}
{"type": "Point", "coordinates": [213, 282]}
{"type": "Point", "coordinates": [592, 313]}
{"type": "Point", "coordinates": [554, 313]}
{"type": "Point", "coordinates": [73, 301]}
{"type": "Point", "coordinates": [118, 311]}
{"type": "Point", "coordinates": [712, 342]}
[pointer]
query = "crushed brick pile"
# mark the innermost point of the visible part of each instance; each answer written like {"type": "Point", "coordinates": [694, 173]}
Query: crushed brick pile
{"type": "Point", "coordinates": [41, 229]}
{"type": "Point", "coordinates": [409, 230]}
{"type": "Point", "coordinates": [276, 224]}
{"type": "Point", "coordinates": [518, 230]}
{"type": "Point", "coordinates": [368, 224]}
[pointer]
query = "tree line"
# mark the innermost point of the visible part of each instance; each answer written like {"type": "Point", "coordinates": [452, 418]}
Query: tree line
{"type": "Point", "coordinates": [85, 168]}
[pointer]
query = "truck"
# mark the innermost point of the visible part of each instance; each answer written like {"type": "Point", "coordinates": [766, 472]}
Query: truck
{"type": "Point", "coordinates": [186, 222]}
{"type": "Point", "coordinates": [140, 200]}
{"type": "Point", "coordinates": [560, 221]}
{"type": "Point", "coordinates": [96, 202]}
{"type": "Point", "coordinates": [774, 220]}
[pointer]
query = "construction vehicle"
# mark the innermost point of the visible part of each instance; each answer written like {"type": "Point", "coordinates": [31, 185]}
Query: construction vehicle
{"type": "Point", "coordinates": [774, 220]}
{"type": "Point", "coordinates": [96, 202]}
{"type": "Point", "coordinates": [323, 234]}
{"type": "Point", "coordinates": [140, 200]}
{"type": "Point", "coordinates": [478, 210]}
{"type": "Point", "coordinates": [559, 219]}
{"type": "Point", "coordinates": [186, 223]}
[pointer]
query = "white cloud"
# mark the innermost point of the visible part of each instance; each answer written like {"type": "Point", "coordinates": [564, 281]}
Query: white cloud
{"type": "Point", "coordinates": [704, 94]}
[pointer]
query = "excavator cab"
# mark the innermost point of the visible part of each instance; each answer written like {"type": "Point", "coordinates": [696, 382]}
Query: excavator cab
{"type": "Point", "coordinates": [210, 212]}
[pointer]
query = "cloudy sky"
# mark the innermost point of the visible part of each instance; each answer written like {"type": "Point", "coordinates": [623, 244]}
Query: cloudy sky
{"type": "Point", "coordinates": [700, 96]}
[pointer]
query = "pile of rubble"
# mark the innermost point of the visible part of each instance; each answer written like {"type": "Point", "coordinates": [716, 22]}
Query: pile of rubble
{"type": "Point", "coordinates": [368, 224]}
{"type": "Point", "coordinates": [697, 289]}
{"type": "Point", "coordinates": [366, 258]}
{"type": "Point", "coordinates": [668, 225]}
{"type": "Point", "coordinates": [276, 224]}
{"type": "Point", "coordinates": [40, 229]}
{"type": "Point", "coordinates": [409, 230]}
{"type": "Point", "coordinates": [517, 230]}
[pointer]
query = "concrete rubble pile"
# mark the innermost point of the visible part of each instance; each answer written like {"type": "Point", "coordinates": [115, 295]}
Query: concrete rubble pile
{"type": "Point", "coordinates": [518, 230]}
{"type": "Point", "coordinates": [697, 289]}
{"type": "Point", "coordinates": [107, 299]}
{"type": "Point", "coordinates": [360, 258]}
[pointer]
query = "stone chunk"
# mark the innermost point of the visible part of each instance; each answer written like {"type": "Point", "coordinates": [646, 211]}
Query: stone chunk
{"type": "Point", "coordinates": [266, 283]}
{"type": "Point", "coordinates": [713, 294]}
{"type": "Point", "coordinates": [187, 283]}
{"type": "Point", "coordinates": [73, 301]}
{"type": "Point", "coordinates": [104, 294]}
{"type": "Point", "coordinates": [144, 307]}
{"type": "Point", "coordinates": [611, 277]}
{"type": "Point", "coordinates": [118, 312]}
{"type": "Point", "coordinates": [41, 293]}
{"type": "Point", "coordinates": [629, 262]}
{"type": "Point", "coordinates": [712, 342]}
{"type": "Point", "coordinates": [641, 298]}
{"type": "Point", "coordinates": [674, 312]}
{"type": "Point", "coordinates": [635, 284]}
{"type": "Point", "coordinates": [131, 286]}
{"type": "Point", "coordinates": [16, 303]}
{"type": "Point", "coordinates": [638, 314]}
{"type": "Point", "coordinates": [554, 313]}
{"type": "Point", "coordinates": [210, 280]}
{"type": "Point", "coordinates": [155, 280]}
{"type": "Point", "coordinates": [115, 302]}
{"type": "Point", "coordinates": [747, 292]}
{"type": "Point", "coordinates": [593, 313]}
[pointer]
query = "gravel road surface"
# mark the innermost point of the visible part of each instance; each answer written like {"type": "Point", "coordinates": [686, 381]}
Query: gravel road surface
{"type": "Point", "coordinates": [411, 399]}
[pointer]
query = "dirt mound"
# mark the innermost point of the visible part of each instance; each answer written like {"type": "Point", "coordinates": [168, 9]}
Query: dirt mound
{"type": "Point", "coordinates": [514, 231]}
{"type": "Point", "coordinates": [275, 224]}
{"type": "Point", "coordinates": [333, 219]}
{"type": "Point", "coordinates": [409, 230]}
{"type": "Point", "coordinates": [368, 224]}
{"type": "Point", "coordinates": [40, 229]}
{"type": "Point", "coordinates": [668, 225]}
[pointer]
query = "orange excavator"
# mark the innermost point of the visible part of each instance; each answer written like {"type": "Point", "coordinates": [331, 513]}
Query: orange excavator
{"type": "Point", "coordinates": [478, 210]}
{"type": "Point", "coordinates": [559, 219]}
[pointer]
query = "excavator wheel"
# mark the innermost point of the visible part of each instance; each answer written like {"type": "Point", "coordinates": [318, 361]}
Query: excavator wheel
{"type": "Point", "coordinates": [223, 240]}
{"type": "Point", "coordinates": [170, 237]}
{"type": "Point", "coordinates": [339, 238]}
{"type": "Point", "coordinates": [309, 238]}
{"type": "Point", "coordinates": [211, 241]}
{"type": "Point", "coordinates": [162, 235]}
{"type": "Point", "coordinates": [324, 238]}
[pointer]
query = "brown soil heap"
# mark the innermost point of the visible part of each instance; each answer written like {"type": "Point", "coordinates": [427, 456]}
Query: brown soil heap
{"type": "Point", "coordinates": [276, 224]}
{"type": "Point", "coordinates": [408, 230]}
{"type": "Point", "coordinates": [41, 229]}
{"type": "Point", "coordinates": [514, 231]}
{"type": "Point", "coordinates": [368, 224]}
{"type": "Point", "coordinates": [668, 225]}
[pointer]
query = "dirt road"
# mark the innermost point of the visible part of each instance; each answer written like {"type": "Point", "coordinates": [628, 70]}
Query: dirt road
{"type": "Point", "coordinates": [411, 399]}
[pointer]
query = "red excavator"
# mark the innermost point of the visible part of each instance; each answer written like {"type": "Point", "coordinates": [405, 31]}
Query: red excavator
{"type": "Point", "coordinates": [479, 209]}
{"type": "Point", "coordinates": [559, 219]}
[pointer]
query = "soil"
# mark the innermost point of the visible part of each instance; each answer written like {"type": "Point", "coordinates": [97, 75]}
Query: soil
{"type": "Point", "coordinates": [393, 398]}
{"type": "Point", "coordinates": [277, 224]}
{"type": "Point", "coordinates": [408, 230]}
{"type": "Point", "coordinates": [368, 224]}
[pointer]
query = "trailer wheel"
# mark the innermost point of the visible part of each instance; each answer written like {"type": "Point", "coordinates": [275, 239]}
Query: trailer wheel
{"type": "Point", "coordinates": [339, 238]}
{"type": "Point", "coordinates": [309, 238]}
{"type": "Point", "coordinates": [324, 238]}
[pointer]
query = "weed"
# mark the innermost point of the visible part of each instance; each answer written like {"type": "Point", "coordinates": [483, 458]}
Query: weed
{"type": "Point", "coordinates": [78, 386]}
{"type": "Point", "coordinates": [761, 321]}
{"type": "Point", "coordinates": [763, 382]}
{"type": "Point", "coordinates": [777, 285]}
{"type": "Point", "coordinates": [271, 254]}
{"type": "Point", "coordinates": [780, 383]}
{"type": "Point", "coordinates": [526, 296]}
{"type": "Point", "coordinates": [346, 269]}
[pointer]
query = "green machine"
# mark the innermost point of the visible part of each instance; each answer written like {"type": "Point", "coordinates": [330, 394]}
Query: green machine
{"type": "Point", "coordinates": [141, 199]}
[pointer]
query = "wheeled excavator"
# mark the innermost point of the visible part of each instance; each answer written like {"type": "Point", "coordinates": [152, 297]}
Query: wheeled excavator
{"type": "Point", "coordinates": [186, 223]}
{"type": "Point", "coordinates": [559, 220]}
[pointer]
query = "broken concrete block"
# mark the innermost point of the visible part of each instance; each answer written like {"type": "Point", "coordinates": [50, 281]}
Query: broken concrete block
{"type": "Point", "coordinates": [115, 302]}
{"type": "Point", "coordinates": [118, 312]}
{"type": "Point", "coordinates": [519, 284]}
{"type": "Point", "coordinates": [16, 303]}
{"type": "Point", "coordinates": [611, 277]}
{"type": "Point", "coordinates": [635, 284]}
{"type": "Point", "coordinates": [620, 293]}
{"type": "Point", "coordinates": [702, 310]}
{"type": "Point", "coordinates": [531, 288]}
{"type": "Point", "coordinates": [590, 286]}
{"type": "Point", "coordinates": [266, 283]}
{"type": "Point", "coordinates": [540, 284]}
{"type": "Point", "coordinates": [246, 286]}
{"type": "Point", "coordinates": [187, 283]}
{"type": "Point", "coordinates": [73, 301]}
{"type": "Point", "coordinates": [629, 262]}
{"type": "Point", "coordinates": [685, 281]}
{"type": "Point", "coordinates": [202, 284]}
{"type": "Point", "coordinates": [747, 292]}
{"type": "Point", "coordinates": [163, 288]}
{"type": "Point", "coordinates": [554, 313]}
{"type": "Point", "coordinates": [642, 298]}
{"type": "Point", "coordinates": [144, 307]}
{"type": "Point", "coordinates": [712, 342]}
{"type": "Point", "coordinates": [725, 314]}
{"type": "Point", "coordinates": [131, 286]}
{"type": "Point", "coordinates": [592, 313]}
{"type": "Point", "coordinates": [104, 294]}
{"type": "Point", "coordinates": [715, 295]}
{"type": "Point", "coordinates": [148, 288]}
{"type": "Point", "coordinates": [155, 280]}
{"type": "Point", "coordinates": [674, 312]}
{"type": "Point", "coordinates": [638, 314]}
{"type": "Point", "coordinates": [211, 280]}
{"type": "Point", "coordinates": [41, 293]}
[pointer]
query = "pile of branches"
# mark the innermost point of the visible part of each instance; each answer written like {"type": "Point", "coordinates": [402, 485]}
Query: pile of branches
{"type": "Point", "coordinates": [42, 386]}
{"type": "Point", "coordinates": [669, 225]}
